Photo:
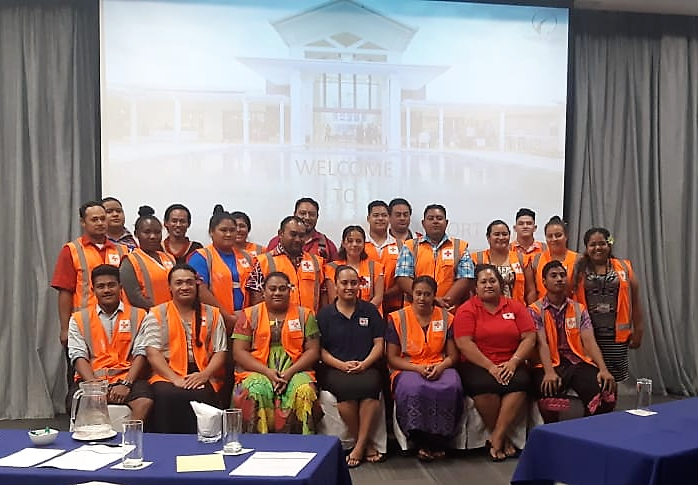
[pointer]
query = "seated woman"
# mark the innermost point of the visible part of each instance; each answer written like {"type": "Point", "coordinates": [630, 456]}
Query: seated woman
{"type": "Point", "coordinates": [352, 253]}
{"type": "Point", "coordinates": [244, 227]}
{"type": "Point", "coordinates": [569, 354]}
{"type": "Point", "coordinates": [509, 262]}
{"type": "Point", "coordinates": [495, 335]}
{"type": "Point", "coordinates": [186, 347]}
{"type": "Point", "coordinates": [177, 221]}
{"type": "Point", "coordinates": [275, 346]}
{"type": "Point", "coordinates": [351, 340]}
{"type": "Point", "coordinates": [421, 353]}
{"type": "Point", "coordinates": [144, 271]}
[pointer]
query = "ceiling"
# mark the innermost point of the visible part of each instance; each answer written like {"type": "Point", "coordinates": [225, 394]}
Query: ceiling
{"type": "Point", "coordinates": [680, 7]}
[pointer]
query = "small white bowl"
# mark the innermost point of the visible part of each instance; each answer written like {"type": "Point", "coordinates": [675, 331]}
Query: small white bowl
{"type": "Point", "coordinates": [42, 437]}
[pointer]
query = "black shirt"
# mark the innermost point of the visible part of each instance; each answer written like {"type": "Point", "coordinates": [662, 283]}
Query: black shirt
{"type": "Point", "coordinates": [350, 338]}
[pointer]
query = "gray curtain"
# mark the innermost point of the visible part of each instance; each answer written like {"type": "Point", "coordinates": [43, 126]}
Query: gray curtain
{"type": "Point", "coordinates": [631, 167]}
{"type": "Point", "coordinates": [49, 132]}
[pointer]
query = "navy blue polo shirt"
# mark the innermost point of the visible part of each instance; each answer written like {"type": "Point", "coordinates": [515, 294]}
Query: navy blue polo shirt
{"type": "Point", "coordinates": [350, 338]}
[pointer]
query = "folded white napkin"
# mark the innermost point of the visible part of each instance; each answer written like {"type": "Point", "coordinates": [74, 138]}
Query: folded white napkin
{"type": "Point", "coordinates": [208, 418]}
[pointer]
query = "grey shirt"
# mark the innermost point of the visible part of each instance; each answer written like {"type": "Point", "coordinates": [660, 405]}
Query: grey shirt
{"type": "Point", "coordinates": [77, 347]}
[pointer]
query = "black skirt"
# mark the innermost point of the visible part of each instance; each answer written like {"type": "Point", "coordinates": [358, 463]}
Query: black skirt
{"type": "Point", "coordinates": [350, 387]}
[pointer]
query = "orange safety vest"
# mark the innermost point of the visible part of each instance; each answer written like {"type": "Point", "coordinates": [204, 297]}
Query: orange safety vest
{"type": "Point", "coordinates": [174, 341]}
{"type": "Point", "coordinates": [624, 307]}
{"type": "Point", "coordinates": [151, 275]}
{"type": "Point", "coordinates": [388, 258]}
{"type": "Point", "coordinates": [86, 258]}
{"type": "Point", "coordinates": [538, 261]}
{"type": "Point", "coordinates": [443, 268]}
{"type": "Point", "coordinates": [254, 249]}
{"type": "Point", "coordinates": [369, 270]}
{"type": "Point", "coordinates": [305, 280]}
{"type": "Point", "coordinates": [220, 277]}
{"type": "Point", "coordinates": [518, 263]}
{"type": "Point", "coordinates": [292, 335]}
{"type": "Point", "coordinates": [573, 321]}
{"type": "Point", "coordinates": [109, 355]}
{"type": "Point", "coordinates": [417, 347]}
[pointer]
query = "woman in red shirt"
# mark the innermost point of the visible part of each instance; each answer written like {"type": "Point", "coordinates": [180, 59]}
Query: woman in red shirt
{"type": "Point", "coordinates": [495, 335]}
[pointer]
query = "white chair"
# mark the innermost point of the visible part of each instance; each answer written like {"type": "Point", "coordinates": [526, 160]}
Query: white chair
{"type": "Point", "coordinates": [471, 432]}
{"type": "Point", "coordinates": [332, 424]}
{"type": "Point", "coordinates": [118, 413]}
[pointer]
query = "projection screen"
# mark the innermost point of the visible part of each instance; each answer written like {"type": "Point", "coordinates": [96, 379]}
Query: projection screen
{"type": "Point", "coordinates": [253, 104]}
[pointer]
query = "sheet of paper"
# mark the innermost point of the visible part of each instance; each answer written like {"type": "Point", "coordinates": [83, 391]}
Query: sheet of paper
{"type": "Point", "coordinates": [200, 463]}
{"type": "Point", "coordinates": [29, 457]}
{"type": "Point", "coordinates": [86, 458]}
{"type": "Point", "coordinates": [274, 464]}
{"type": "Point", "coordinates": [641, 412]}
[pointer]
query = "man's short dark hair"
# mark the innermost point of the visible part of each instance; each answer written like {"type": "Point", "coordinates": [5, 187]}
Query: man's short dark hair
{"type": "Point", "coordinates": [90, 203]}
{"type": "Point", "coordinates": [377, 203]}
{"type": "Point", "coordinates": [525, 211]}
{"type": "Point", "coordinates": [551, 265]}
{"type": "Point", "coordinates": [434, 207]}
{"type": "Point", "coordinates": [306, 200]}
{"type": "Point", "coordinates": [287, 219]}
{"type": "Point", "coordinates": [398, 201]}
{"type": "Point", "coordinates": [105, 270]}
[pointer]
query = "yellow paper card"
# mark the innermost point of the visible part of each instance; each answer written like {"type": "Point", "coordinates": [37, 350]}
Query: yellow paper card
{"type": "Point", "coordinates": [200, 463]}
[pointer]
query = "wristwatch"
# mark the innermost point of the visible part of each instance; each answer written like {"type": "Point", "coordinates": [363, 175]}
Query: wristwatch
{"type": "Point", "coordinates": [126, 382]}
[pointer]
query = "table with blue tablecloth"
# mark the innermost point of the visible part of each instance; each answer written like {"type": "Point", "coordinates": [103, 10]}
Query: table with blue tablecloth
{"type": "Point", "coordinates": [328, 467]}
{"type": "Point", "coordinates": [615, 449]}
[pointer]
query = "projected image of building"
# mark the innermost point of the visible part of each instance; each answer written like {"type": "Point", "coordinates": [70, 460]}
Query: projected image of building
{"type": "Point", "coordinates": [340, 84]}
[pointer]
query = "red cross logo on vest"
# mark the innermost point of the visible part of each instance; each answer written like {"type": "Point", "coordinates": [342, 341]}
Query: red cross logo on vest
{"type": "Point", "coordinates": [306, 266]}
{"type": "Point", "coordinates": [447, 254]}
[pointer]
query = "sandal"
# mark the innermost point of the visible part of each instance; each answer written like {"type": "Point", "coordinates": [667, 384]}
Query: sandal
{"type": "Point", "coordinates": [496, 455]}
{"type": "Point", "coordinates": [511, 451]}
{"type": "Point", "coordinates": [376, 457]}
{"type": "Point", "coordinates": [353, 462]}
{"type": "Point", "coordinates": [425, 456]}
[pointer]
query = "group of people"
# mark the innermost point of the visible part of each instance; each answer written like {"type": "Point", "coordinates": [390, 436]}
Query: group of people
{"type": "Point", "coordinates": [416, 319]}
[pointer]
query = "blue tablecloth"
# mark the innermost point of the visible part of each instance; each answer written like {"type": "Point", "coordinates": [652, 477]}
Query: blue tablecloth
{"type": "Point", "coordinates": [615, 449]}
{"type": "Point", "coordinates": [327, 468]}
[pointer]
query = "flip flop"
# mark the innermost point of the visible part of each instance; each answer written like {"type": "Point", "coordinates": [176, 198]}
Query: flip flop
{"type": "Point", "coordinates": [376, 457]}
{"type": "Point", "coordinates": [425, 456]}
{"type": "Point", "coordinates": [494, 453]}
{"type": "Point", "coordinates": [353, 462]}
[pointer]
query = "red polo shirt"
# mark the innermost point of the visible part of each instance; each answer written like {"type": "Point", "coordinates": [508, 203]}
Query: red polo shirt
{"type": "Point", "coordinates": [497, 334]}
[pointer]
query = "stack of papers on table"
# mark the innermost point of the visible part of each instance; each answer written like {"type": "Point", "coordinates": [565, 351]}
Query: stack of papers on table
{"type": "Point", "coordinates": [87, 458]}
{"type": "Point", "coordinates": [274, 464]}
{"type": "Point", "coordinates": [29, 457]}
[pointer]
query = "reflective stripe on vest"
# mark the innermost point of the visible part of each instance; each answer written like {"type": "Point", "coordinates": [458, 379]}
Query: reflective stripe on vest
{"type": "Point", "coordinates": [254, 320]}
{"type": "Point", "coordinates": [457, 255]}
{"type": "Point", "coordinates": [87, 335]}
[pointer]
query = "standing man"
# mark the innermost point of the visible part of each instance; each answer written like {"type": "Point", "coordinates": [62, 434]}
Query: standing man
{"type": "Point", "coordinates": [305, 270]}
{"type": "Point", "coordinates": [77, 259]}
{"type": "Point", "coordinates": [525, 227]}
{"type": "Point", "coordinates": [103, 344]}
{"type": "Point", "coordinates": [116, 229]}
{"type": "Point", "coordinates": [383, 247]}
{"type": "Point", "coordinates": [445, 259]}
{"type": "Point", "coordinates": [399, 217]}
{"type": "Point", "coordinates": [314, 242]}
